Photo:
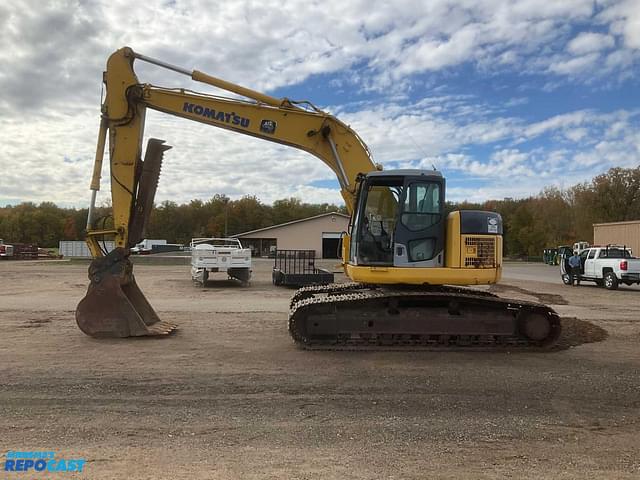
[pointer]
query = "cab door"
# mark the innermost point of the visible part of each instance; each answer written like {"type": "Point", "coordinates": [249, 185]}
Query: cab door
{"type": "Point", "coordinates": [419, 232]}
{"type": "Point", "coordinates": [374, 222]}
{"type": "Point", "coordinates": [590, 264]}
{"type": "Point", "coordinates": [586, 263]}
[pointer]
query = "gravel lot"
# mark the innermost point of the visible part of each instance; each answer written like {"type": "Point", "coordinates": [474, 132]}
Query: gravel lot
{"type": "Point", "coordinates": [230, 396]}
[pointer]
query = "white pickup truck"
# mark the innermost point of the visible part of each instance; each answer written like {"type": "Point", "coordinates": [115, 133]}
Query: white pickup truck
{"type": "Point", "coordinates": [606, 266]}
{"type": "Point", "coordinates": [219, 255]}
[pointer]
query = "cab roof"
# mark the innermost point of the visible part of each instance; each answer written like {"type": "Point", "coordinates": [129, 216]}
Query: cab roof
{"type": "Point", "coordinates": [406, 172]}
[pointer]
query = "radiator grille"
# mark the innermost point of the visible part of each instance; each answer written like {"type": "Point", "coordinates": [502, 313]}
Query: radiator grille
{"type": "Point", "coordinates": [479, 252]}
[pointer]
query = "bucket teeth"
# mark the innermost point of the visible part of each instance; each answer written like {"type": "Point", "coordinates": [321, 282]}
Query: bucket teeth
{"type": "Point", "coordinates": [162, 328]}
{"type": "Point", "coordinates": [114, 305]}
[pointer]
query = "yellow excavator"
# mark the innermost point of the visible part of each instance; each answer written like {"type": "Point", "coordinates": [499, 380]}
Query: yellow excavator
{"type": "Point", "coordinates": [408, 261]}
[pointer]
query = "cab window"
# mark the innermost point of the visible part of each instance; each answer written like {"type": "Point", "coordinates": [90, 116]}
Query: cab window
{"type": "Point", "coordinates": [421, 207]}
{"type": "Point", "coordinates": [614, 253]}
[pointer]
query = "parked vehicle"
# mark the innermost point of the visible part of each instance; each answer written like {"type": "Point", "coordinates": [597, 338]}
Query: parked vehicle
{"type": "Point", "coordinates": [6, 251]}
{"type": "Point", "coordinates": [564, 252]}
{"type": "Point", "coordinates": [550, 256]}
{"type": "Point", "coordinates": [580, 247]}
{"type": "Point", "coordinates": [146, 246]}
{"type": "Point", "coordinates": [607, 266]}
{"type": "Point", "coordinates": [210, 255]}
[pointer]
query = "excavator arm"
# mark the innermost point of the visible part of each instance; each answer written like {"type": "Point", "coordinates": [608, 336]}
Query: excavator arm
{"type": "Point", "coordinates": [114, 304]}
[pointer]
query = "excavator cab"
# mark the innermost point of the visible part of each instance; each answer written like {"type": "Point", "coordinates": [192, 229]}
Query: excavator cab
{"type": "Point", "coordinates": [399, 220]}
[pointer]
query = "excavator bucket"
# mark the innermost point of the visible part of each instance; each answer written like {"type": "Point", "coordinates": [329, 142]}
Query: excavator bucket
{"type": "Point", "coordinates": [114, 305]}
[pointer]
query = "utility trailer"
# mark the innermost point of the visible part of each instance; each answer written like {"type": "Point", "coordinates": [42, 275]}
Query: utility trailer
{"type": "Point", "coordinates": [212, 255]}
{"type": "Point", "coordinates": [19, 251]}
{"type": "Point", "coordinates": [167, 247]}
{"type": "Point", "coordinates": [297, 268]}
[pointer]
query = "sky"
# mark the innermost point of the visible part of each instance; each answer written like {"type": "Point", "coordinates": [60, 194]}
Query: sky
{"type": "Point", "coordinates": [505, 98]}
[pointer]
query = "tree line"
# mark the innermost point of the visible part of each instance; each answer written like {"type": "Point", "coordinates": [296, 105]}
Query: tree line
{"type": "Point", "coordinates": [551, 218]}
{"type": "Point", "coordinates": [46, 224]}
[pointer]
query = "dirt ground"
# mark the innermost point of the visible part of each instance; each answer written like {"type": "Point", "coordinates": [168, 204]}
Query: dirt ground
{"type": "Point", "coordinates": [230, 396]}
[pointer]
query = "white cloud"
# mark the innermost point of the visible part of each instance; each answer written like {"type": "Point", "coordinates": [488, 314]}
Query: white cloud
{"type": "Point", "coordinates": [205, 160]}
{"type": "Point", "coordinates": [427, 54]}
{"type": "Point", "coordinates": [557, 122]}
{"type": "Point", "coordinates": [589, 42]}
{"type": "Point", "coordinates": [54, 53]}
{"type": "Point", "coordinates": [516, 102]}
{"type": "Point", "coordinates": [576, 134]}
{"type": "Point", "coordinates": [505, 163]}
{"type": "Point", "coordinates": [56, 50]}
{"type": "Point", "coordinates": [574, 66]}
{"type": "Point", "coordinates": [592, 143]}
{"type": "Point", "coordinates": [624, 18]}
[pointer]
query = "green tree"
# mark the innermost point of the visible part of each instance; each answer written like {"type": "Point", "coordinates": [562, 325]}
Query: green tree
{"type": "Point", "coordinates": [246, 214]}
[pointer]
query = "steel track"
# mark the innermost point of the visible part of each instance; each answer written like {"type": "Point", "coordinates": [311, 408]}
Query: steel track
{"type": "Point", "coordinates": [349, 316]}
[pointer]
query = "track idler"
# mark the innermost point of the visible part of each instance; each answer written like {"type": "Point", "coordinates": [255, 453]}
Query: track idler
{"type": "Point", "coordinates": [114, 305]}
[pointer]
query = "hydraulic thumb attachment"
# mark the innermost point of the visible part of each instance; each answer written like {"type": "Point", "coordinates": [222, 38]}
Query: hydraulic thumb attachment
{"type": "Point", "coordinates": [114, 305]}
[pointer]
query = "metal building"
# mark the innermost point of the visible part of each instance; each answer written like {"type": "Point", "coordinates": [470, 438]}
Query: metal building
{"type": "Point", "coordinates": [620, 233]}
{"type": "Point", "coordinates": [79, 249]}
{"type": "Point", "coordinates": [320, 233]}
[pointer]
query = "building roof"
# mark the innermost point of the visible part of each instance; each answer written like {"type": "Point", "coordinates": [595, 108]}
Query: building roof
{"type": "Point", "coordinates": [628, 222]}
{"type": "Point", "coordinates": [289, 223]}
